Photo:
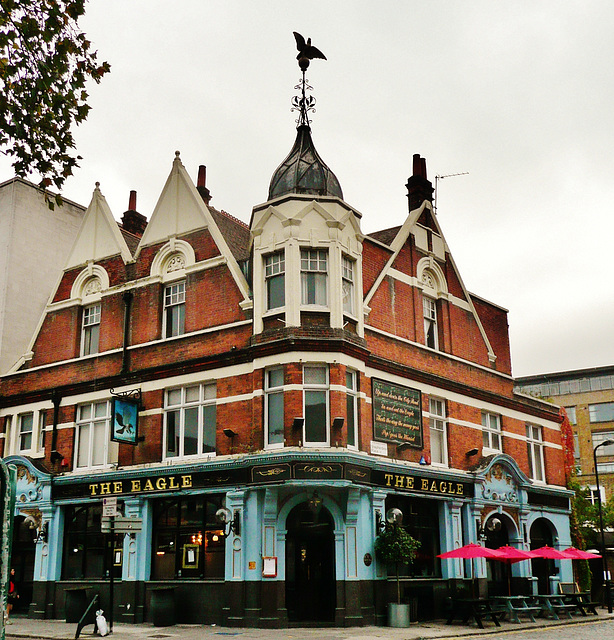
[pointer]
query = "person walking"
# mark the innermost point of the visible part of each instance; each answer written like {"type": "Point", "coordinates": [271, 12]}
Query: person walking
{"type": "Point", "coordinates": [12, 597]}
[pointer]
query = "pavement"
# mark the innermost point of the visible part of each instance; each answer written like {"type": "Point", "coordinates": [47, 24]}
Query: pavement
{"type": "Point", "coordinates": [22, 627]}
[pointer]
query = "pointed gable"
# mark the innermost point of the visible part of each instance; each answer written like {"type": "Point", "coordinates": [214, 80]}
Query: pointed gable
{"type": "Point", "coordinates": [181, 210]}
{"type": "Point", "coordinates": [99, 236]}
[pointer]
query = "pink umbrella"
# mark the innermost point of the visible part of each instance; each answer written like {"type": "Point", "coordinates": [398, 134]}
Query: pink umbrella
{"type": "Point", "coordinates": [550, 553]}
{"type": "Point", "coordinates": [579, 554]}
{"type": "Point", "coordinates": [470, 551]}
{"type": "Point", "coordinates": [509, 555]}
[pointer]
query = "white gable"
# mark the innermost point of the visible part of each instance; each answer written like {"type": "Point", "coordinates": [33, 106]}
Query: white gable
{"type": "Point", "coordinates": [99, 236]}
{"type": "Point", "coordinates": [180, 209]}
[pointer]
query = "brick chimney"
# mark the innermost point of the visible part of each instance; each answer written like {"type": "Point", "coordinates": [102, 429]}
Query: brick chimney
{"type": "Point", "coordinates": [419, 188]}
{"type": "Point", "coordinates": [132, 221]}
{"type": "Point", "coordinates": [200, 184]}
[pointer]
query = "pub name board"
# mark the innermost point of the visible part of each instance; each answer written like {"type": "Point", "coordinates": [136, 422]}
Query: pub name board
{"type": "Point", "coordinates": [266, 474]}
{"type": "Point", "coordinates": [397, 414]}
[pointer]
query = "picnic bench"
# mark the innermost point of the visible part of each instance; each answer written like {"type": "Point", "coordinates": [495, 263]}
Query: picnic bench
{"type": "Point", "coordinates": [579, 599]}
{"type": "Point", "coordinates": [479, 609]}
{"type": "Point", "coordinates": [553, 605]}
{"type": "Point", "coordinates": [516, 606]}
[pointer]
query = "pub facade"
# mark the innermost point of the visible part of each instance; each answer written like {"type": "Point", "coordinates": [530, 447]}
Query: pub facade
{"type": "Point", "coordinates": [228, 411]}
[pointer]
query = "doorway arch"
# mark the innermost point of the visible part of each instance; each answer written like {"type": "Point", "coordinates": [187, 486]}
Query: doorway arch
{"type": "Point", "coordinates": [541, 534]}
{"type": "Point", "coordinates": [22, 560]}
{"type": "Point", "coordinates": [310, 564]}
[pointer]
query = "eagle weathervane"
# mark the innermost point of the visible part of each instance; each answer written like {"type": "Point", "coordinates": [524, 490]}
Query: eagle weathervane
{"type": "Point", "coordinates": [302, 103]}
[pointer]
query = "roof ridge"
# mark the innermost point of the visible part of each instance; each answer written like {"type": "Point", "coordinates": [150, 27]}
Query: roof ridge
{"type": "Point", "coordinates": [229, 216]}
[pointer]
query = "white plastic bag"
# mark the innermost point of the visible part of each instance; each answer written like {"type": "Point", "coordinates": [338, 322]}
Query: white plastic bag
{"type": "Point", "coordinates": [101, 623]}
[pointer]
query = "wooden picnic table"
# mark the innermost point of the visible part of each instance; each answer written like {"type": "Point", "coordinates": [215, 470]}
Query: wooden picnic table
{"type": "Point", "coordinates": [553, 605]}
{"type": "Point", "coordinates": [581, 600]}
{"type": "Point", "coordinates": [478, 609]}
{"type": "Point", "coordinates": [515, 606]}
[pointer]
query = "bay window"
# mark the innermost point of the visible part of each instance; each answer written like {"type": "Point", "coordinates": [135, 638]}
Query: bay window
{"type": "Point", "coordinates": [314, 277]}
{"type": "Point", "coordinates": [274, 276]}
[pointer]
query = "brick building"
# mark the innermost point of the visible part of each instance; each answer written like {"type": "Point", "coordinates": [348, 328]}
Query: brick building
{"type": "Point", "coordinates": [293, 380]}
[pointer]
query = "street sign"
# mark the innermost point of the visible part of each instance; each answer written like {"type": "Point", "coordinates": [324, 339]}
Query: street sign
{"type": "Point", "coordinates": [122, 524]}
{"type": "Point", "coordinates": [109, 507]}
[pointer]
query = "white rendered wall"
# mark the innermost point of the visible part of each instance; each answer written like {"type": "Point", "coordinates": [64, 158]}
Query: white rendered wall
{"type": "Point", "coordinates": [34, 245]}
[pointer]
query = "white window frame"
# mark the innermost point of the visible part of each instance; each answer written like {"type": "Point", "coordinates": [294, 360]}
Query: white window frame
{"type": "Point", "coordinates": [26, 434]}
{"type": "Point", "coordinates": [535, 452]}
{"type": "Point", "coordinates": [199, 397]}
{"type": "Point", "coordinates": [90, 329]}
{"type": "Point", "coordinates": [348, 291]}
{"type": "Point", "coordinates": [274, 269]}
{"type": "Point", "coordinates": [438, 427]}
{"type": "Point", "coordinates": [272, 394]}
{"type": "Point", "coordinates": [592, 493]}
{"type": "Point", "coordinates": [597, 437]}
{"type": "Point", "coordinates": [491, 432]}
{"type": "Point", "coordinates": [311, 389]}
{"type": "Point", "coordinates": [314, 277]}
{"type": "Point", "coordinates": [431, 325]}
{"type": "Point", "coordinates": [594, 413]}
{"type": "Point", "coordinates": [571, 414]}
{"type": "Point", "coordinates": [351, 385]}
{"type": "Point", "coordinates": [98, 420]}
{"type": "Point", "coordinates": [174, 298]}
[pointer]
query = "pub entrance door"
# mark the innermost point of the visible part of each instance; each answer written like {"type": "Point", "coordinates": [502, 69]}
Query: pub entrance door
{"type": "Point", "coordinates": [310, 565]}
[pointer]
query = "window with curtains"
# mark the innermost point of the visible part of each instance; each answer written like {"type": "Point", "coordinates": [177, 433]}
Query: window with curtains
{"type": "Point", "coordinates": [438, 431]}
{"type": "Point", "coordinates": [93, 446]}
{"type": "Point", "coordinates": [314, 277]}
{"type": "Point", "coordinates": [315, 400]}
{"type": "Point", "coordinates": [190, 421]}
{"type": "Point", "coordinates": [351, 384]}
{"type": "Point", "coordinates": [535, 452]}
{"type": "Point", "coordinates": [90, 331]}
{"type": "Point", "coordinates": [187, 539]}
{"type": "Point", "coordinates": [274, 406]}
{"type": "Point", "coordinates": [274, 276]}
{"type": "Point", "coordinates": [174, 309]}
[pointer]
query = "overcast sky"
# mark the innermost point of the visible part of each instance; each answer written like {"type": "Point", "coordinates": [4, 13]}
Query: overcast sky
{"type": "Point", "coordinates": [518, 94]}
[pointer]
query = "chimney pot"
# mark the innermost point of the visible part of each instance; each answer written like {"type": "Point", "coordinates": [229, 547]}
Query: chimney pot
{"type": "Point", "coordinates": [132, 201]}
{"type": "Point", "coordinates": [201, 184]}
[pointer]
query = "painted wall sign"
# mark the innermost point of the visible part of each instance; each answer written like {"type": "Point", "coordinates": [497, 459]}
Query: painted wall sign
{"type": "Point", "coordinates": [397, 413]}
{"type": "Point", "coordinates": [125, 422]}
{"type": "Point", "coordinates": [420, 484]}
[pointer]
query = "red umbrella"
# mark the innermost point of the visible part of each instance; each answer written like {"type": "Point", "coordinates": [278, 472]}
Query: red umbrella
{"type": "Point", "coordinates": [551, 553]}
{"type": "Point", "coordinates": [579, 554]}
{"type": "Point", "coordinates": [470, 551]}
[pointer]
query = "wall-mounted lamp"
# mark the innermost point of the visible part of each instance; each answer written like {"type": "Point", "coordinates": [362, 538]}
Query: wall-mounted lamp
{"type": "Point", "coordinates": [298, 423]}
{"type": "Point", "coordinates": [315, 503]}
{"type": "Point", "coordinates": [43, 533]}
{"type": "Point", "coordinates": [472, 452]}
{"type": "Point", "coordinates": [224, 517]}
{"type": "Point", "coordinates": [229, 433]}
{"type": "Point", "coordinates": [402, 445]}
{"type": "Point", "coordinates": [424, 460]}
{"type": "Point", "coordinates": [338, 423]}
{"type": "Point", "coordinates": [56, 456]}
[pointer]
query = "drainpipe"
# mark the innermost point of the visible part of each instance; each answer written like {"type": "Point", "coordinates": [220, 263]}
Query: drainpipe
{"type": "Point", "coordinates": [127, 297]}
{"type": "Point", "coordinates": [56, 456]}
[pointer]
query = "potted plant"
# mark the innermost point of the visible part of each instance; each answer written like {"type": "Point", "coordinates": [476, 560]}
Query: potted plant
{"type": "Point", "coordinates": [395, 546]}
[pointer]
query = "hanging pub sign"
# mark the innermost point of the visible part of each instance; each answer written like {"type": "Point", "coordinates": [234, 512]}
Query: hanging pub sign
{"type": "Point", "coordinates": [125, 417]}
{"type": "Point", "coordinates": [397, 414]}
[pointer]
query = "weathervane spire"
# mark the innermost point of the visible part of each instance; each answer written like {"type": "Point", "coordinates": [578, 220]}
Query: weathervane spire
{"type": "Point", "coordinates": [302, 103]}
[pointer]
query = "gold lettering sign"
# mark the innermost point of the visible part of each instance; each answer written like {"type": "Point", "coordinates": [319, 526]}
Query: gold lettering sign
{"type": "Point", "coordinates": [118, 487]}
{"type": "Point", "coordinates": [411, 483]}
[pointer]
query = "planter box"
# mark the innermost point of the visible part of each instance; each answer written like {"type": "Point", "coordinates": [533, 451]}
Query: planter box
{"type": "Point", "coordinates": [398, 615]}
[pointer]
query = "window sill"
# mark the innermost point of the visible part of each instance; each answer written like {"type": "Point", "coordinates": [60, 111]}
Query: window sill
{"type": "Point", "coordinates": [184, 459]}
